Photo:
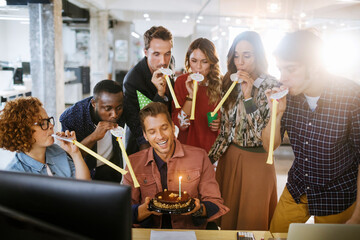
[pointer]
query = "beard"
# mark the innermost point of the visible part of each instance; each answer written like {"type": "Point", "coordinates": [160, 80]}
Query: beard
{"type": "Point", "coordinates": [96, 116]}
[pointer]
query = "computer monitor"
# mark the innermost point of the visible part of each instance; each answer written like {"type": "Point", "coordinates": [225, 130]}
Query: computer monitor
{"type": "Point", "coordinates": [18, 76]}
{"type": "Point", "coordinates": [26, 68]}
{"type": "Point", "coordinates": [300, 231]}
{"type": "Point", "coordinates": [20, 226]}
{"type": "Point", "coordinates": [93, 209]}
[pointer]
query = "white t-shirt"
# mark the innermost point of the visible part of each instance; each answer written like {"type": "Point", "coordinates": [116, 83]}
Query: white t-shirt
{"type": "Point", "coordinates": [105, 148]}
{"type": "Point", "coordinates": [312, 101]}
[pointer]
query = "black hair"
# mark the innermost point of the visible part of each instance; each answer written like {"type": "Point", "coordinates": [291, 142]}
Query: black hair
{"type": "Point", "coordinates": [108, 86]}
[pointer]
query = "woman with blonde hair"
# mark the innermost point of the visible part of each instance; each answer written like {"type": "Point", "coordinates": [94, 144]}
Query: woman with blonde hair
{"type": "Point", "coordinates": [202, 58]}
{"type": "Point", "coordinates": [26, 128]}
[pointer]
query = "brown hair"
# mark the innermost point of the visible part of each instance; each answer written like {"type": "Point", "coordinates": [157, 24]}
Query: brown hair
{"type": "Point", "coordinates": [302, 46]}
{"type": "Point", "coordinates": [261, 64]}
{"type": "Point", "coordinates": [16, 121]}
{"type": "Point", "coordinates": [214, 78]}
{"type": "Point", "coordinates": [157, 32]}
{"type": "Point", "coordinates": [153, 109]}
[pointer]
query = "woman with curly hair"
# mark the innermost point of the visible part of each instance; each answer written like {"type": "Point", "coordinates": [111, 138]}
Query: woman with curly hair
{"type": "Point", "coordinates": [26, 128]}
{"type": "Point", "coordinates": [247, 183]}
{"type": "Point", "coordinates": [202, 58]}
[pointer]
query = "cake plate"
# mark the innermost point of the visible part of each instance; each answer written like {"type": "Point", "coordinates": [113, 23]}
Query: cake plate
{"type": "Point", "coordinates": [189, 208]}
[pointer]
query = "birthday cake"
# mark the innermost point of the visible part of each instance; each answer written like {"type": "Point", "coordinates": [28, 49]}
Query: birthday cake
{"type": "Point", "coordinates": [171, 202]}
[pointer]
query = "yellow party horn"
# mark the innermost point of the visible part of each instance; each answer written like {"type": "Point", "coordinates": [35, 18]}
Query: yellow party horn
{"type": "Point", "coordinates": [196, 77]}
{"type": "Point", "coordinates": [167, 72]}
{"type": "Point", "coordinates": [119, 134]}
{"type": "Point", "coordinates": [234, 77]}
{"type": "Point", "coordinates": [92, 153]}
{"type": "Point", "coordinates": [275, 101]}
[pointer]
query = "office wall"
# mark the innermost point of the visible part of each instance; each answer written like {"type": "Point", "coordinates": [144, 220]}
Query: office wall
{"type": "Point", "coordinates": [14, 41]}
{"type": "Point", "coordinates": [69, 43]}
{"type": "Point", "coordinates": [179, 51]}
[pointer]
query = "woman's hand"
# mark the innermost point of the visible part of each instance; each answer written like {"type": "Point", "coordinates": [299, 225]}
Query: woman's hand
{"type": "Point", "coordinates": [189, 86]}
{"type": "Point", "coordinates": [68, 146]}
{"type": "Point", "coordinates": [215, 125]}
{"type": "Point", "coordinates": [246, 84]}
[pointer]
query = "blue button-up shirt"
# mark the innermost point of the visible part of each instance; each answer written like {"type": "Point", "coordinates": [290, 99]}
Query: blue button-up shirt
{"type": "Point", "coordinates": [60, 164]}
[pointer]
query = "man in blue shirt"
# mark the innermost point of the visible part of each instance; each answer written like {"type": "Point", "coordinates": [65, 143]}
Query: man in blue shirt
{"type": "Point", "coordinates": [91, 119]}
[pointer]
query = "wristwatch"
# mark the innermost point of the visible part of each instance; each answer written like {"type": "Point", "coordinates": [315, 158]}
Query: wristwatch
{"type": "Point", "coordinates": [199, 212]}
{"type": "Point", "coordinates": [188, 98]}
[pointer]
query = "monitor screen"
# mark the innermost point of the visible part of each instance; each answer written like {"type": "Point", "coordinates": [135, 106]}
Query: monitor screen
{"type": "Point", "coordinates": [26, 68]}
{"type": "Point", "coordinates": [92, 209]}
{"type": "Point", "coordinates": [18, 76]}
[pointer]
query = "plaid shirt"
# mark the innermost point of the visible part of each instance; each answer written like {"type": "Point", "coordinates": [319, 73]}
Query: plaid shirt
{"type": "Point", "coordinates": [326, 144]}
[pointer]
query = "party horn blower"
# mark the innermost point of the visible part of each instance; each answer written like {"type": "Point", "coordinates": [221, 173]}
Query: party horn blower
{"type": "Point", "coordinates": [235, 80]}
{"type": "Point", "coordinates": [196, 77]}
{"type": "Point", "coordinates": [167, 72]}
{"type": "Point", "coordinates": [272, 131]}
{"type": "Point", "coordinates": [92, 153]}
{"type": "Point", "coordinates": [119, 134]}
{"type": "Point", "coordinates": [275, 101]}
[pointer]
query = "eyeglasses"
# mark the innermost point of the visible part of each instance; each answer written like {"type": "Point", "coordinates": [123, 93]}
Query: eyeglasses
{"type": "Point", "coordinates": [44, 123]}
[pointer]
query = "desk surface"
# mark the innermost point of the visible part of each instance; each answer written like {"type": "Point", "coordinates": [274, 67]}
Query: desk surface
{"type": "Point", "coordinates": [14, 92]}
{"type": "Point", "coordinates": [144, 234]}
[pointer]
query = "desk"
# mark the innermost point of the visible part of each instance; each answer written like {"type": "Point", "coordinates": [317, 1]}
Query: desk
{"type": "Point", "coordinates": [144, 234]}
{"type": "Point", "coordinates": [16, 92]}
{"type": "Point", "coordinates": [280, 235]}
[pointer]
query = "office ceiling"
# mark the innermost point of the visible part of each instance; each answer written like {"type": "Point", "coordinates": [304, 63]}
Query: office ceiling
{"type": "Point", "coordinates": [184, 16]}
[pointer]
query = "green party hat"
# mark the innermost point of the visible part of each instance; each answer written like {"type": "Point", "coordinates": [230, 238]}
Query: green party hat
{"type": "Point", "coordinates": [143, 100]}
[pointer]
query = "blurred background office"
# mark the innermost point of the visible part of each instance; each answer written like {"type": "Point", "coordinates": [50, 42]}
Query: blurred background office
{"type": "Point", "coordinates": [58, 50]}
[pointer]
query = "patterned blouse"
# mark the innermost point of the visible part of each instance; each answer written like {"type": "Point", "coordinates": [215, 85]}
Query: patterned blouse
{"type": "Point", "coordinates": [242, 124]}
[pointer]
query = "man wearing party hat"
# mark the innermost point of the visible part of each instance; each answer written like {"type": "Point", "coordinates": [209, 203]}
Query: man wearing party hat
{"type": "Point", "coordinates": [147, 78]}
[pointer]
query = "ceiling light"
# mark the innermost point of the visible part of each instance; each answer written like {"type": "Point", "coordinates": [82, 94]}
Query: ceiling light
{"type": "Point", "coordinates": [227, 19]}
{"type": "Point", "coordinates": [146, 15]}
{"type": "Point", "coordinates": [200, 17]}
{"type": "Point", "coordinates": [274, 6]}
{"type": "Point", "coordinates": [302, 15]}
{"type": "Point", "coordinates": [135, 35]}
{"type": "Point", "coordinates": [223, 33]}
{"type": "Point", "coordinates": [147, 19]}
{"type": "Point", "coordinates": [198, 21]}
{"type": "Point", "coordinates": [238, 21]}
{"type": "Point", "coordinates": [184, 20]}
{"type": "Point", "coordinates": [187, 17]}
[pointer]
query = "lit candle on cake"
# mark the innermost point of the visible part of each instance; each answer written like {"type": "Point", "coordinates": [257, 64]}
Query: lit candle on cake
{"type": "Point", "coordinates": [180, 186]}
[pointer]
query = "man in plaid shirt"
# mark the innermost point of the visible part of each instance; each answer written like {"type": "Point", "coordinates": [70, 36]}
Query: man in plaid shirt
{"type": "Point", "coordinates": [321, 115]}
